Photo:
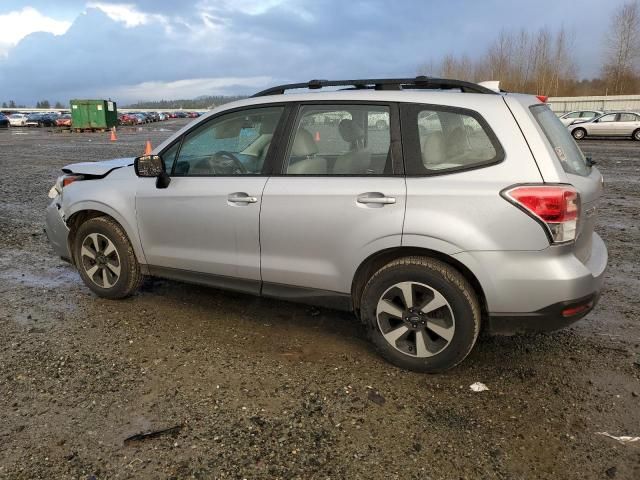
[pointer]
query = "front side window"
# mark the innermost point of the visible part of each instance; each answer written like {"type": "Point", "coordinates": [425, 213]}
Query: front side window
{"type": "Point", "coordinates": [561, 141]}
{"type": "Point", "coordinates": [235, 143]}
{"type": "Point", "coordinates": [340, 140]}
{"type": "Point", "coordinates": [449, 139]}
{"type": "Point", "coordinates": [572, 115]}
{"type": "Point", "coordinates": [588, 114]}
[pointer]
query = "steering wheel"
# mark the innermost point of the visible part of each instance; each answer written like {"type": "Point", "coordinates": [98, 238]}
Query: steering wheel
{"type": "Point", "coordinates": [239, 165]}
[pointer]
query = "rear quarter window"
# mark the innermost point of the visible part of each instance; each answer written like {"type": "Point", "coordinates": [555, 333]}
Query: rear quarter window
{"type": "Point", "coordinates": [445, 139]}
{"type": "Point", "coordinates": [562, 143]}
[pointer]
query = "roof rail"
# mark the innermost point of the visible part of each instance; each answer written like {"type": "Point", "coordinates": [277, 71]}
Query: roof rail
{"type": "Point", "coordinates": [383, 84]}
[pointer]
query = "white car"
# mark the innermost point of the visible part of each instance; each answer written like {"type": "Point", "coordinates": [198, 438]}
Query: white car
{"type": "Point", "coordinates": [18, 120]}
{"type": "Point", "coordinates": [579, 116]}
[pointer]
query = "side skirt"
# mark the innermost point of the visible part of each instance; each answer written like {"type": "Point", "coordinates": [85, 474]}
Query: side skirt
{"type": "Point", "coordinates": [310, 296]}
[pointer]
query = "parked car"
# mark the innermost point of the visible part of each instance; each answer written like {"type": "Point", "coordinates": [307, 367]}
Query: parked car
{"type": "Point", "coordinates": [18, 119]}
{"type": "Point", "coordinates": [40, 120]}
{"type": "Point", "coordinates": [579, 116]}
{"type": "Point", "coordinates": [4, 121]}
{"type": "Point", "coordinates": [611, 124]}
{"type": "Point", "coordinates": [485, 215]}
{"type": "Point", "coordinates": [64, 120]}
{"type": "Point", "coordinates": [128, 119]}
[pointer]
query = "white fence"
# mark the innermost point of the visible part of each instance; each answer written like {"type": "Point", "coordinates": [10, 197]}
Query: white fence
{"type": "Point", "coordinates": [603, 102]}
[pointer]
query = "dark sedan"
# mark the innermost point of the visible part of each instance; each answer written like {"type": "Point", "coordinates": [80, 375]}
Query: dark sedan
{"type": "Point", "coordinates": [41, 120]}
{"type": "Point", "coordinates": [4, 121]}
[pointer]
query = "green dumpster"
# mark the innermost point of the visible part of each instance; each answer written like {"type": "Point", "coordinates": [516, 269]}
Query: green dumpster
{"type": "Point", "coordinates": [93, 114]}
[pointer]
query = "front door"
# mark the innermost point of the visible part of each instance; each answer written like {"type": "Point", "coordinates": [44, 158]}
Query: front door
{"type": "Point", "coordinates": [339, 198]}
{"type": "Point", "coordinates": [605, 125]}
{"type": "Point", "coordinates": [207, 220]}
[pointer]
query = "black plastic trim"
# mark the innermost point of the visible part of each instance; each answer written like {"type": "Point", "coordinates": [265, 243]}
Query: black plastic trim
{"type": "Point", "coordinates": [207, 279]}
{"type": "Point", "coordinates": [311, 296]}
{"type": "Point", "coordinates": [419, 82]}
{"type": "Point", "coordinates": [546, 319]}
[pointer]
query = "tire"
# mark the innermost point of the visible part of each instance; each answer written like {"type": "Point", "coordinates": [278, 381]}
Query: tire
{"type": "Point", "coordinates": [579, 133]}
{"type": "Point", "coordinates": [449, 329]}
{"type": "Point", "coordinates": [636, 135]}
{"type": "Point", "coordinates": [115, 256]}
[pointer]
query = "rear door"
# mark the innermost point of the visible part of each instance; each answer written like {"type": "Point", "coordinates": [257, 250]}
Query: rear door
{"type": "Point", "coordinates": [339, 196]}
{"type": "Point", "coordinates": [626, 124]}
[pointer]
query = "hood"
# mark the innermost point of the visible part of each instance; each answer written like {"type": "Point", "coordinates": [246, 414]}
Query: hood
{"type": "Point", "coordinates": [99, 169]}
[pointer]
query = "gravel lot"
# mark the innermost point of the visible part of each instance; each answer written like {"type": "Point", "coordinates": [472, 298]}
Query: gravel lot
{"type": "Point", "coordinates": [268, 389]}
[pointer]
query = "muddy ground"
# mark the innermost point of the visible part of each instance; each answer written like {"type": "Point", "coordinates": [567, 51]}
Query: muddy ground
{"type": "Point", "coordinates": [268, 389]}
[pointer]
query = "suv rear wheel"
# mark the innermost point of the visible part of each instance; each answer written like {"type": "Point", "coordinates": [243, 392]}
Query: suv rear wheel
{"type": "Point", "coordinates": [421, 314]}
{"type": "Point", "coordinates": [105, 258]}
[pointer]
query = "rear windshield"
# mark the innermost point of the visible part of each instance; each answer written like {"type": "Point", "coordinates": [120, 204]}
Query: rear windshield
{"type": "Point", "coordinates": [561, 141]}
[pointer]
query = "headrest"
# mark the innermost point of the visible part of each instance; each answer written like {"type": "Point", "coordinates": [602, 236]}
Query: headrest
{"type": "Point", "coordinates": [433, 149]}
{"type": "Point", "coordinates": [303, 144]}
{"type": "Point", "coordinates": [350, 131]}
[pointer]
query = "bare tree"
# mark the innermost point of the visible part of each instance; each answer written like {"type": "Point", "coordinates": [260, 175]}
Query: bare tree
{"type": "Point", "coordinates": [623, 42]}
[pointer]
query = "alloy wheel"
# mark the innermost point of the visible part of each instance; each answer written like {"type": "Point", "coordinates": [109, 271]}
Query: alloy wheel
{"type": "Point", "coordinates": [415, 319]}
{"type": "Point", "coordinates": [100, 260]}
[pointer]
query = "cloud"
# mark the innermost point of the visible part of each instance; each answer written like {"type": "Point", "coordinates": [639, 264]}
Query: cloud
{"type": "Point", "coordinates": [17, 24]}
{"type": "Point", "coordinates": [189, 88]}
{"type": "Point", "coordinates": [133, 50]}
{"type": "Point", "coordinates": [126, 13]}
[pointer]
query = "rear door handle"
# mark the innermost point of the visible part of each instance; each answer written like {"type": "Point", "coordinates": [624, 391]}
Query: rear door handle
{"type": "Point", "coordinates": [241, 197]}
{"type": "Point", "coordinates": [376, 198]}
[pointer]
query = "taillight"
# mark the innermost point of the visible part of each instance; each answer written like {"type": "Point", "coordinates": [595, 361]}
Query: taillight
{"type": "Point", "coordinates": [542, 98]}
{"type": "Point", "coordinates": [556, 207]}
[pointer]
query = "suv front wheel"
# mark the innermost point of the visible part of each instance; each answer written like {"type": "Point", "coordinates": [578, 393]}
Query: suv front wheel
{"type": "Point", "coordinates": [105, 258]}
{"type": "Point", "coordinates": [421, 314]}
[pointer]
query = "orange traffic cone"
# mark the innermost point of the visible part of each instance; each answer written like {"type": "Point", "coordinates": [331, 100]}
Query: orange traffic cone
{"type": "Point", "coordinates": [147, 148]}
{"type": "Point", "coordinates": [317, 137]}
{"type": "Point", "coordinates": [113, 134]}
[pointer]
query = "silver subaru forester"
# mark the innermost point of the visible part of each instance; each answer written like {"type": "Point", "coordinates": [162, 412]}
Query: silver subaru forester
{"type": "Point", "coordinates": [428, 207]}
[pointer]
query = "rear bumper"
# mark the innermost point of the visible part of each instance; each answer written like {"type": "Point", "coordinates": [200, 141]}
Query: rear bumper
{"type": "Point", "coordinates": [529, 291]}
{"type": "Point", "coordinates": [545, 320]}
{"type": "Point", "coordinates": [57, 231]}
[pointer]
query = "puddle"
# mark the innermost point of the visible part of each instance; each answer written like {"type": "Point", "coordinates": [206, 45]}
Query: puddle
{"type": "Point", "coordinates": [51, 277]}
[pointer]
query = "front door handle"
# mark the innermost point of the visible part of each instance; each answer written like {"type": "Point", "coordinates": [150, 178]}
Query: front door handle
{"type": "Point", "coordinates": [241, 197]}
{"type": "Point", "coordinates": [376, 198]}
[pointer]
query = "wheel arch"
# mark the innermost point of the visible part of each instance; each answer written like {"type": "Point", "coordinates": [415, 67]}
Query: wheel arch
{"type": "Point", "coordinates": [88, 210]}
{"type": "Point", "coordinates": [377, 260]}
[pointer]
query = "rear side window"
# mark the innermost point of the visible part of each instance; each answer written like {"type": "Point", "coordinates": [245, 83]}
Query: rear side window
{"type": "Point", "coordinates": [443, 139]}
{"type": "Point", "coordinates": [561, 141]}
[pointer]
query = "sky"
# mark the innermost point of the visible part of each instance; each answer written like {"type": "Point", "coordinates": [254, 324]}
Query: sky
{"type": "Point", "coordinates": [167, 49]}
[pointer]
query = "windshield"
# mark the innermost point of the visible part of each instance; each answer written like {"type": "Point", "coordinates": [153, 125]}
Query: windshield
{"type": "Point", "coordinates": [561, 141]}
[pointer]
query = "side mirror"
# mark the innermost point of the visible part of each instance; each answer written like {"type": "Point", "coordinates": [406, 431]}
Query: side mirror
{"type": "Point", "coordinates": [152, 166]}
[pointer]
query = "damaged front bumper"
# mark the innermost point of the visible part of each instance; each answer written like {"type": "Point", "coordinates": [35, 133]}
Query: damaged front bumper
{"type": "Point", "coordinates": [56, 230]}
